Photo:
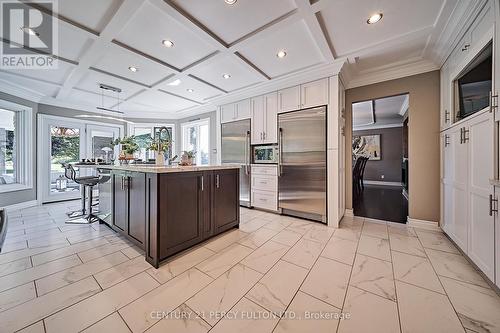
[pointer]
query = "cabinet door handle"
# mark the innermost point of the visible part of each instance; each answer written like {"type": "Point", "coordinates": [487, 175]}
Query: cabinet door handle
{"type": "Point", "coordinates": [466, 135]}
{"type": "Point", "coordinates": [461, 135]}
{"type": "Point", "coordinates": [466, 47]}
{"type": "Point", "coordinates": [202, 187]}
{"type": "Point", "coordinates": [446, 140]}
{"type": "Point", "coordinates": [493, 101]}
{"type": "Point", "coordinates": [493, 209]}
{"type": "Point", "coordinates": [217, 181]}
{"type": "Point", "coordinates": [121, 184]}
{"type": "Point", "coordinates": [446, 116]}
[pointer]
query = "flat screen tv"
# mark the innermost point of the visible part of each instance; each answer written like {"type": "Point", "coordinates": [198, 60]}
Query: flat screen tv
{"type": "Point", "coordinates": [474, 86]}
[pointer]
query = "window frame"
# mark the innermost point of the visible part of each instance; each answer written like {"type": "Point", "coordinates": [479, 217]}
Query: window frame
{"type": "Point", "coordinates": [197, 123]}
{"type": "Point", "coordinates": [131, 131]}
{"type": "Point", "coordinates": [24, 146]}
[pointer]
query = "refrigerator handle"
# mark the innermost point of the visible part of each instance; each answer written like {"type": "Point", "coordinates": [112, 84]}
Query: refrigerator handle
{"type": "Point", "coordinates": [280, 152]}
{"type": "Point", "coordinates": [247, 153]}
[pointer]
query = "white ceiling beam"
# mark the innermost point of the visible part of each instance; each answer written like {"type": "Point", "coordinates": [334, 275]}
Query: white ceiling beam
{"type": "Point", "coordinates": [98, 48]}
{"type": "Point", "coordinates": [306, 12]}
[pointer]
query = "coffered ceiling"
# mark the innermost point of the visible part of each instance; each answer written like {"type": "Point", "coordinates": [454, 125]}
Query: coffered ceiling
{"type": "Point", "coordinates": [100, 39]}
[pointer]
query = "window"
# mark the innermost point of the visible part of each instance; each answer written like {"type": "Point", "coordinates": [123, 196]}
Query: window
{"type": "Point", "coordinates": [143, 134]}
{"type": "Point", "coordinates": [15, 147]}
{"type": "Point", "coordinates": [196, 137]}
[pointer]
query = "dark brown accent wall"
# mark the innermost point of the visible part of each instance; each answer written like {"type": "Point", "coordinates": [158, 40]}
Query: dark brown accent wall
{"type": "Point", "coordinates": [391, 152]}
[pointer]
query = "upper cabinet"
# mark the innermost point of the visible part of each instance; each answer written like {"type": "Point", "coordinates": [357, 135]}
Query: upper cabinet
{"type": "Point", "coordinates": [314, 94]}
{"type": "Point", "coordinates": [289, 99]}
{"type": "Point", "coordinates": [264, 118]}
{"type": "Point", "coordinates": [235, 111]}
{"type": "Point", "coordinates": [305, 96]}
{"type": "Point", "coordinates": [475, 38]}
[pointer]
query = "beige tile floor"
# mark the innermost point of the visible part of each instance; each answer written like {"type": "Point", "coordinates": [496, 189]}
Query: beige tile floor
{"type": "Point", "coordinates": [274, 274]}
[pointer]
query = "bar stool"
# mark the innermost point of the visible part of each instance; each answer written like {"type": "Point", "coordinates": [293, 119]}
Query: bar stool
{"type": "Point", "coordinates": [87, 183]}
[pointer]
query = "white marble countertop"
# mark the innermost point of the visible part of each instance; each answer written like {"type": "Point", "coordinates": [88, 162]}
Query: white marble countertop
{"type": "Point", "coordinates": [151, 168]}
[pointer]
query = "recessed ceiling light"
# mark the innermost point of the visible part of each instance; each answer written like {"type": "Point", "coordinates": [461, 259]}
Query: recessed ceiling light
{"type": "Point", "coordinates": [230, 2]}
{"type": "Point", "coordinates": [374, 18]}
{"type": "Point", "coordinates": [133, 69]}
{"type": "Point", "coordinates": [167, 43]}
{"type": "Point", "coordinates": [281, 54]}
{"type": "Point", "coordinates": [30, 31]}
{"type": "Point", "coordinates": [190, 90]}
{"type": "Point", "coordinates": [175, 82]}
{"type": "Point", "coordinates": [226, 76]}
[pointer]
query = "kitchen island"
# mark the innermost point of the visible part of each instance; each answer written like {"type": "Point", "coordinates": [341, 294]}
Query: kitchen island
{"type": "Point", "coordinates": [165, 210]}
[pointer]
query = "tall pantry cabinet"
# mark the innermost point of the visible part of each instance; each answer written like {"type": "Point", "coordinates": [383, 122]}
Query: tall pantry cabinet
{"type": "Point", "coordinates": [469, 164]}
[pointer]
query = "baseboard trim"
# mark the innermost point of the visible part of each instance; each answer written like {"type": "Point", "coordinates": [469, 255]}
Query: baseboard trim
{"type": "Point", "coordinates": [21, 205]}
{"type": "Point", "coordinates": [349, 213]}
{"type": "Point", "coordinates": [376, 182]}
{"type": "Point", "coordinates": [423, 224]}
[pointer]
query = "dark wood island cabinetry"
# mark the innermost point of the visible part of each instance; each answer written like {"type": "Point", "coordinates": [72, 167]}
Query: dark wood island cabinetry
{"type": "Point", "coordinates": [165, 210]}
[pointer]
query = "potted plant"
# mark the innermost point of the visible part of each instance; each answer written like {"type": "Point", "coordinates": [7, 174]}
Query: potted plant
{"type": "Point", "coordinates": [160, 147]}
{"type": "Point", "coordinates": [187, 157]}
{"type": "Point", "coordinates": [128, 147]}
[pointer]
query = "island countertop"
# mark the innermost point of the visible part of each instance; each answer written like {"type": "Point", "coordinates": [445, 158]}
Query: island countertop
{"type": "Point", "coordinates": [151, 168]}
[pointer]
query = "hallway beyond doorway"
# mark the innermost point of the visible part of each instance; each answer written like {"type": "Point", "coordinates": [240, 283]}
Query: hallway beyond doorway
{"type": "Point", "coordinates": [382, 203]}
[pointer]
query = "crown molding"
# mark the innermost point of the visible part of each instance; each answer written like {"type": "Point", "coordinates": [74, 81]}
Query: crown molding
{"type": "Point", "coordinates": [307, 75]}
{"type": "Point", "coordinates": [390, 72]}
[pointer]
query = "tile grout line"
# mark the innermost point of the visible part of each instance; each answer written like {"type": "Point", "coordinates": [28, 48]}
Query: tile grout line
{"type": "Point", "coordinates": [394, 283]}
{"type": "Point", "coordinates": [441, 283]}
{"type": "Point", "coordinates": [350, 273]}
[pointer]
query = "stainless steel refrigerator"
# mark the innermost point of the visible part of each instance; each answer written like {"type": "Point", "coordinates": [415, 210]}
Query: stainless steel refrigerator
{"type": "Point", "coordinates": [302, 163]}
{"type": "Point", "coordinates": [235, 148]}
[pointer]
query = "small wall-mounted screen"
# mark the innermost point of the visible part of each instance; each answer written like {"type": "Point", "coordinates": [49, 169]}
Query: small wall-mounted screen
{"type": "Point", "coordinates": [474, 86]}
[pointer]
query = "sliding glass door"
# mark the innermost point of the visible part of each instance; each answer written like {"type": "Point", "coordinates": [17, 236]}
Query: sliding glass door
{"type": "Point", "coordinates": [196, 138]}
{"type": "Point", "coordinates": [64, 140]}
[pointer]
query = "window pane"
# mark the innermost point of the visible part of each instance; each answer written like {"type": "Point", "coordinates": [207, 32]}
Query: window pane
{"type": "Point", "coordinates": [143, 137]}
{"type": "Point", "coordinates": [65, 148]}
{"type": "Point", "coordinates": [203, 156]}
{"type": "Point", "coordinates": [8, 158]}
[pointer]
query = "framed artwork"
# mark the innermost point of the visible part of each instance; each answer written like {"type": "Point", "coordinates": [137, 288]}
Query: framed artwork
{"type": "Point", "coordinates": [367, 145]}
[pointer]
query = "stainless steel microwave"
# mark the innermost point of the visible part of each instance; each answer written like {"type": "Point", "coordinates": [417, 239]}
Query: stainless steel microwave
{"type": "Point", "coordinates": [265, 154]}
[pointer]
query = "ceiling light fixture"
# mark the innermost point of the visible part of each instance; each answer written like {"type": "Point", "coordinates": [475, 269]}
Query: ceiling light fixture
{"type": "Point", "coordinates": [167, 43]}
{"type": "Point", "coordinates": [230, 2]}
{"type": "Point", "coordinates": [374, 18]}
{"type": "Point", "coordinates": [133, 69]}
{"type": "Point", "coordinates": [175, 82]}
{"type": "Point", "coordinates": [281, 54]}
{"type": "Point", "coordinates": [190, 90]}
{"type": "Point", "coordinates": [30, 31]}
{"type": "Point", "coordinates": [226, 76]}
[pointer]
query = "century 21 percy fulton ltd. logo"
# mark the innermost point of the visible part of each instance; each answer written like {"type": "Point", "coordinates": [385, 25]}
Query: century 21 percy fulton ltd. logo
{"type": "Point", "coordinates": [30, 35]}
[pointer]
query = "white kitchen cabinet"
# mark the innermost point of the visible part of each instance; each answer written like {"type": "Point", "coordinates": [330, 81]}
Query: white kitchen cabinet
{"type": "Point", "coordinates": [258, 115]}
{"type": "Point", "coordinates": [481, 240]}
{"type": "Point", "coordinates": [447, 182]}
{"type": "Point", "coordinates": [446, 90]}
{"type": "Point", "coordinates": [482, 24]}
{"type": "Point", "coordinates": [459, 187]}
{"type": "Point", "coordinates": [227, 112]}
{"type": "Point", "coordinates": [243, 110]}
{"type": "Point", "coordinates": [271, 118]}
{"type": "Point", "coordinates": [235, 111]}
{"type": "Point", "coordinates": [264, 187]}
{"type": "Point", "coordinates": [264, 119]}
{"type": "Point", "coordinates": [289, 99]}
{"type": "Point", "coordinates": [314, 94]}
{"type": "Point", "coordinates": [467, 169]}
